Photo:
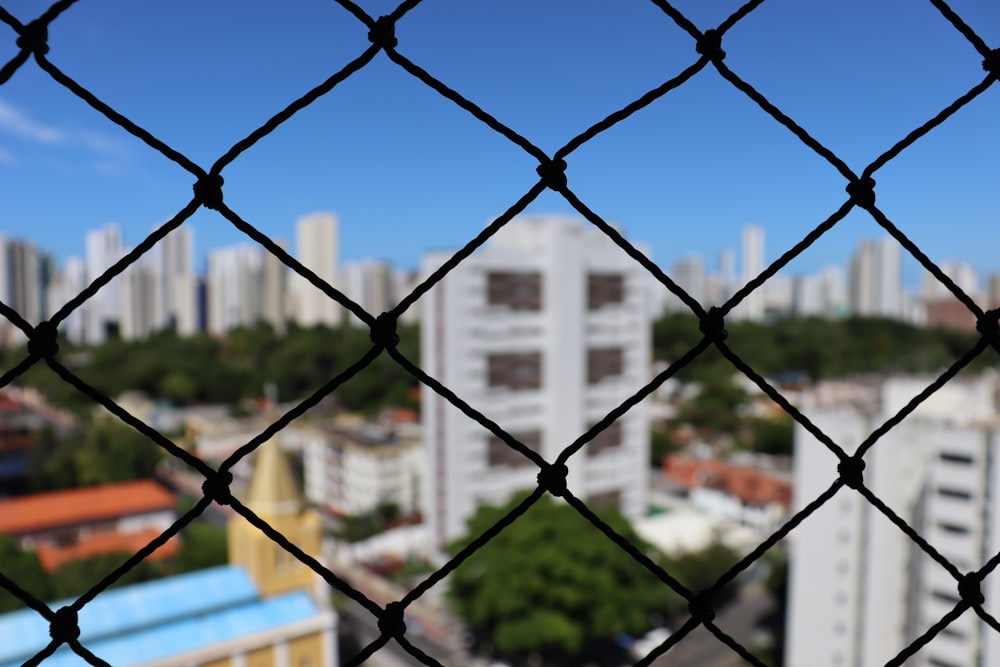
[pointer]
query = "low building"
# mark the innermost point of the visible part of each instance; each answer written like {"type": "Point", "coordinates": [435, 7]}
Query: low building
{"type": "Point", "coordinates": [746, 495]}
{"type": "Point", "coordinates": [63, 526]}
{"type": "Point", "coordinates": [264, 609]}
{"type": "Point", "coordinates": [351, 467]}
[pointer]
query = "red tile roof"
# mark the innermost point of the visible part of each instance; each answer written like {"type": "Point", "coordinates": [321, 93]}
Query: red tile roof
{"type": "Point", "coordinates": [751, 485]}
{"type": "Point", "coordinates": [53, 557]}
{"type": "Point", "coordinates": [43, 511]}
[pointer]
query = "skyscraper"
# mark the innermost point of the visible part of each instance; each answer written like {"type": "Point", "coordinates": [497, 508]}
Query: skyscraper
{"type": "Point", "coordinates": [316, 238]}
{"type": "Point", "coordinates": [752, 306]}
{"type": "Point", "coordinates": [102, 311]}
{"type": "Point", "coordinates": [876, 279]}
{"type": "Point", "coordinates": [545, 330]}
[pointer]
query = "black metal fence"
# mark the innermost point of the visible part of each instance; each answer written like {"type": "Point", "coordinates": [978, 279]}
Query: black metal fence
{"type": "Point", "coordinates": [707, 52]}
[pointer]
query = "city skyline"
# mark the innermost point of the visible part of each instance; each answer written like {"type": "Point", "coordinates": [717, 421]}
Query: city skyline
{"type": "Point", "coordinates": [407, 170]}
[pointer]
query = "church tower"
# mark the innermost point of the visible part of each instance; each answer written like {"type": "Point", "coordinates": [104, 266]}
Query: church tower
{"type": "Point", "coordinates": [275, 497]}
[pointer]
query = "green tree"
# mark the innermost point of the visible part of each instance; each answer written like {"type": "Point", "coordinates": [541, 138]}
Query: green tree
{"type": "Point", "coordinates": [661, 444]}
{"type": "Point", "coordinates": [552, 584]}
{"type": "Point", "coordinates": [202, 546]}
{"type": "Point", "coordinates": [774, 435]}
{"type": "Point", "coordinates": [98, 452]}
{"type": "Point", "coordinates": [77, 577]}
{"type": "Point", "coordinates": [21, 567]}
{"type": "Point", "coordinates": [716, 407]}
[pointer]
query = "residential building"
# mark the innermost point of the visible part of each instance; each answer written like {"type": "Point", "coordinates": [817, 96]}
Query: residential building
{"type": "Point", "coordinates": [860, 590]}
{"type": "Point", "coordinates": [752, 306]}
{"type": "Point", "coordinates": [876, 279]}
{"type": "Point", "coordinates": [545, 330]}
{"type": "Point", "coordinates": [369, 283]}
{"type": "Point", "coordinates": [63, 526]}
{"type": "Point", "coordinates": [233, 288]}
{"type": "Point", "coordinates": [353, 466]}
{"type": "Point", "coordinates": [317, 245]}
{"type": "Point", "coordinates": [102, 311]}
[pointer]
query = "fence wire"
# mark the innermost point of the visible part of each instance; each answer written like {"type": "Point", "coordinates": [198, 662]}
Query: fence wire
{"type": "Point", "coordinates": [32, 44]}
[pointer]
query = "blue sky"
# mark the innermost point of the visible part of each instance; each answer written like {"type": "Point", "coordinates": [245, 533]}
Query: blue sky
{"type": "Point", "coordinates": [407, 170]}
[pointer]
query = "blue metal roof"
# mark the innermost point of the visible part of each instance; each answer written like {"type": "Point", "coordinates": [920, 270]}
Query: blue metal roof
{"type": "Point", "coordinates": [157, 619]}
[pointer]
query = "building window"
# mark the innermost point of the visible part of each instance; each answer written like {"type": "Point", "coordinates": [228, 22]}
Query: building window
{"type": "Point", "coordinates": [953, 528]}
{"type": "Point", "coordinates": [517, 291]}
{"type": "Point", "coordinates": [954, 457]}
{"type": "Point", "coordinates": [958, 494]}
{"type": "Point", "coordinates": [515, 371]}
{"type": "Point", "coordinates": [600, 501]}
{"type": "Point", "coordinates": [604, 289]}
{"type": "Point", "coordinates": [604, 362]}
{"type": "Point", "coordinates": [609, 438]}
{"type": "Point", "coordinates": [500, 454]}
{"type": "Point", "coordinates": [943, 596]}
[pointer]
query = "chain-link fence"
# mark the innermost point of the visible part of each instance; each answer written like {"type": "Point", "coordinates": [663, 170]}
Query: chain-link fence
{"type": "Point", "coordinates": [707, 52]}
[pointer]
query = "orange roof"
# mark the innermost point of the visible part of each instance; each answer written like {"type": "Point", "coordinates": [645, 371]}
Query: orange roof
{"type": "Point", "coordinates": [42, 511]}
{"type": "Point", "coordinates": [53, 557]}
{"type": "Point", "coordinates": [750, 485]}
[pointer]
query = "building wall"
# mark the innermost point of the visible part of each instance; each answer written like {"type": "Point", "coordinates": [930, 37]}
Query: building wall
{"type": "Point", "coordinates": [511, 330]}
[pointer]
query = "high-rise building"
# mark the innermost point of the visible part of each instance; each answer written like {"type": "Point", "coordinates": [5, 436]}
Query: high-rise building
{"type": "Point", "coordinates": [545, 330]}
{"type": "Point", "coordinates": [274, 285]}
{"type": "Point", "coordinates": [316, 237]}
{"type": "Point", "coordinates": [876, 279]}
{"type": "Point", "coordinates": [689, 274]}
{"type": "Point", "coordinates": [369, 283]}
{"type": "Point", "coordinates": [102, 311]}
{"type": "Point", "coordinates": [860, 590]}
{"type": "Point", "coordinates": [177, 282]}
{"type": "Point", "coordinates": [752, 306]}
{"type": "Point", "coordinates": [233, 292]}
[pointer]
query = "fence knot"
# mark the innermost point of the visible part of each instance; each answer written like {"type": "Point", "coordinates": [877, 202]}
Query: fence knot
{"type": "Point", "coordinates": [710, 45]}
{"type": "Point", "coordinates": [970, 590]}
{"type": "Point", "coordinates": [552, 478]}
{"type": "Point", "coordinates": [553, 173]}
{"type": "Point", "coordinates": [988, 325]}
{"type": "Point", "coordinates": [713, 325]}
{"type": "Point", "coordinates": [383, 332]}
{"type": "Point", "coordinates": [208, 191]}
{"type": "Point", "coordinates": [44, 340]}
{"type": "Point", "coordinates": [34, 37]}
{"type": "Point", "coordinates": [700, 607]}
{"type": "Point", "coordinates": [216, 487]}
{"type": "Point", "coordinates": [391, 622]}
{"type": "Point", "coordinates": [383, 33]}
{"type": "Point", "coordinates": [862, 192]}
{"type": "Point", "coordinates": [64, 626]}
{"type": "Point", "coordinates": [852, 471]}
{"type": "Point", "coordinates": [991, 63]}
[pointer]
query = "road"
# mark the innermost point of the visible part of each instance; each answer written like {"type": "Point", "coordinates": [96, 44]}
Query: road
{"type": "Point", "coordinates": [702, 649]}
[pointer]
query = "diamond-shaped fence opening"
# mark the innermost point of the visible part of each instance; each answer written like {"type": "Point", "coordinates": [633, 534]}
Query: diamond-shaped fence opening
{"type": "Point", "coordinates": [27, 47]}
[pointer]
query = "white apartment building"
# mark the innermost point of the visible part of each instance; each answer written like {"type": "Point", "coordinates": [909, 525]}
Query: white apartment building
{"type": "Point", "coordinates": [860, 590]}
{"type": "Point", "coordinates": [351, 469]}
{"type": "Point", "coordinates": [544, 330]}
{"type": "Point", "coordinates": [317, 240]}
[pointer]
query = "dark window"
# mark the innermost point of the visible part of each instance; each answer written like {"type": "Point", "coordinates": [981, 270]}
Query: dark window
{"type": "Point", "coordinates": [953, 528]}
{"type": "Point", "coordinates": [600, 501]}
{"type": "Point", "coordinates": [517, 291]}
{"type": "Point", "coordinates": [958, 494]}
{"type": "Point", "coordinates": [934, 662]}
{"type": "Point", "coordinates": [515, 371]}
{"type": "Point", "coordinates": [499, 453]}
{"type": "Point", "coordinates": [950, 631]}
{"type": "Point", "coordinates": [952, 457]}
{"type": "Point", "coordinates": [603, 363]}
{"type": "Point", "coordinates": [944, 596]}
{"type": "Point", "coordinates": [604, 289]}
{"type": "Point", "coordinates": [609, 438]}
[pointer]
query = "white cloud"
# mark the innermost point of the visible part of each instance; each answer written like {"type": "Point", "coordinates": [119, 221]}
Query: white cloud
{"type": "Point", "coordinates": [19, 124]}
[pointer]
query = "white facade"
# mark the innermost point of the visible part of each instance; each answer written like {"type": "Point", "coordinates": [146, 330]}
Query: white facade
{"type": "Point", "coordinates": [104, 248]}
{"type": "Point", "coordinates": [316, 237]}
{"type": "Point", "coordinates": [351, 470]}
{"type": "Point", "coordinates": [545, 331]}
{"type": "Point", "coordinates": [752, 306]}
{"type": "Point", "coordinates": [876, 279]}
{"type": "Point", "coordinates": [860, 590]}
{"type": "Point", "coordinates": [233, 288]}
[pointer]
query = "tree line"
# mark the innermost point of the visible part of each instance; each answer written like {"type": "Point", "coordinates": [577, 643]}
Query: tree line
{"type": "Point", "coordinates": [205, 370]}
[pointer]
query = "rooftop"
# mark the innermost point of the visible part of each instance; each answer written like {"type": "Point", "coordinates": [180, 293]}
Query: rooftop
{"type": "Point", "coordinates": [42, 511]}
